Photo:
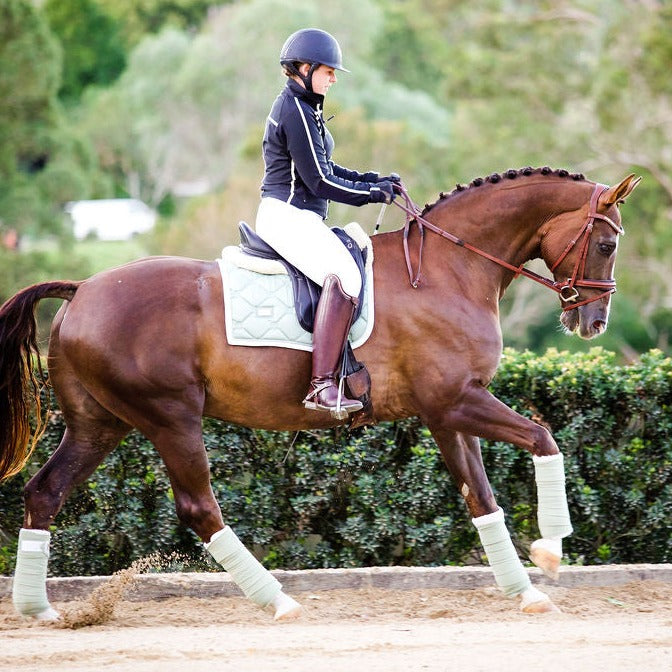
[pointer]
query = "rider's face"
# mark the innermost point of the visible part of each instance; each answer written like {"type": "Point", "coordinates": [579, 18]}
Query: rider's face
{"type": "Point", "coordinates": [323, 77]}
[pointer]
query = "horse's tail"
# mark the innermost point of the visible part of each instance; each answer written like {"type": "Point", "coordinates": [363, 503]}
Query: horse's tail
{"type": "Point", "coordinates": [19, 386]}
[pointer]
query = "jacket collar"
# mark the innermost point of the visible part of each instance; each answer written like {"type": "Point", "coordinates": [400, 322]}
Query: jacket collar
{"type": "Point", "coordinates": [315, 100]}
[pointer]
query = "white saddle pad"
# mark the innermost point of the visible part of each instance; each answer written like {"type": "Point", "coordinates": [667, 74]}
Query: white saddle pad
{"type": "Point", "coordinates": [259, 305]}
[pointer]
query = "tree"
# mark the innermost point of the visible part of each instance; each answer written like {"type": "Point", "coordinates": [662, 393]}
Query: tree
{"type": "Point", "coordinates": [179, 117]}
{"type": "Point", "coordinates": [43, 161]}
{"type": "Point", "coordinates": [29, 78]}
{"type": "Point", "coordinates": [92, 49]}
{"type": "Point", "coordinates": [141, 17]}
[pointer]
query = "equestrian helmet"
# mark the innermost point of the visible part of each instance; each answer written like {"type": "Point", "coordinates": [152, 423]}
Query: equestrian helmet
{"type": "Point", "coordinates": [314, 46]}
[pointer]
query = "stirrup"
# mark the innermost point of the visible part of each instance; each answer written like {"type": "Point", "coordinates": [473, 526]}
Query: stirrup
{"type": "Point", "coordinates": [340, 411]}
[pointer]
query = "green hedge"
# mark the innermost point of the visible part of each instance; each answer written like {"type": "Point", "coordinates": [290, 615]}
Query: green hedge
{"type": "Point", "coordinates": [381, 495]}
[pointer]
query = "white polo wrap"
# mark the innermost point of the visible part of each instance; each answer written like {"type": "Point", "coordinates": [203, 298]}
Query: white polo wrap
{"type": "Point", "coordinates": [29, 590]}
{"type": "Point", "coordinates": [552, 509]}
{"type": "Point", "coordinates": [249, 574]}
{"type": "Point", "coordinates": [510, 575]}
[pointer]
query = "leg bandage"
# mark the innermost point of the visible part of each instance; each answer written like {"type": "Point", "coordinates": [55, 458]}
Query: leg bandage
{"type": "Point", "coordinates": [249, 574]}
{"type": "Point", "coordinates": [552, 511]}
{"type": "Point", "coordinates": [29, 590]}
{"type": "Point", "coordinates": [510, 575]}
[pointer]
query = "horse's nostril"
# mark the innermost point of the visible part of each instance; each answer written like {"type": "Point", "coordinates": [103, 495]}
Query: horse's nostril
{"type": "Point", "coordinates": [599, 326]}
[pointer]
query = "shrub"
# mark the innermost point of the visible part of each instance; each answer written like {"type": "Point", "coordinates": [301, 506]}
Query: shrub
{"type": "Point", "coordinates": [381, 495]}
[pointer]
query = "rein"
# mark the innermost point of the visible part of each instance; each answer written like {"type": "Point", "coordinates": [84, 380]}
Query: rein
{"type": "Point", "coordinates": [567, 290]}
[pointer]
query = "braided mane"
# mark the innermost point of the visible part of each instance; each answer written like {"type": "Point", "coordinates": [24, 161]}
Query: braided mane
{"type": "Point", "coordinates": [498, 177]}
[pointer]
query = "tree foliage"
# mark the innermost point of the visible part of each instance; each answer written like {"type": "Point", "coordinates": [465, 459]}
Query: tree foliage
{"type": "Point", "coordinates": [381, 495]}
{"type": "Point", "coordinates": [92, 49]}
{"type": "Point", "coordinates": [29, 78]}
{"type": "Point", "coordinates": [44, 162]}
{"type": "Point", "coordinates": [140, 17]}
{"type": "Point", "coordinates": [440, 91]}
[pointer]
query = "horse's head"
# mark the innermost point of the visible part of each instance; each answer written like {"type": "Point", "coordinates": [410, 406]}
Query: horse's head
{"type": "Point", "coordinates": [581, 253]}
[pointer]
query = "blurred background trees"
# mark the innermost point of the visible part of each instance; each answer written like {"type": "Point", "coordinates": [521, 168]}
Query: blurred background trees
{"type": "Point", "coordinates": [165, 100]}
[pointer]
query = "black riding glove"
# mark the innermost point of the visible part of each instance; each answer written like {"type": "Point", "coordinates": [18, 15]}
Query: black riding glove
{"type": "Point", "coordinates": [392, 177]}
{"type": "Point", "coordinates": [382, 192]}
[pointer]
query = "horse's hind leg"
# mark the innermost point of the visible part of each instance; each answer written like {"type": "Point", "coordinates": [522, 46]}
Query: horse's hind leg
{"type": "Point", "coordinates": [462, 455]}
{"type": "Point", "coordinates": [91, 434]}
{"type": "Point", "coordinates": [180, 444]}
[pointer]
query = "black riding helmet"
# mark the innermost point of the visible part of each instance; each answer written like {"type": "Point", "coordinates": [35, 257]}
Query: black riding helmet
{"type": "Point", "coordinates": [313, 46]}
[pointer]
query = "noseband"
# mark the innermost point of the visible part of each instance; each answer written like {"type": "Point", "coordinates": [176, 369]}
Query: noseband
{"type": "Point", "coordinates": [567, 289]}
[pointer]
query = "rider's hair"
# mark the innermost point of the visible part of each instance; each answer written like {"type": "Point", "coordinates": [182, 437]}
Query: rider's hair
{"type": "Point", "coordinates": [286, 70]}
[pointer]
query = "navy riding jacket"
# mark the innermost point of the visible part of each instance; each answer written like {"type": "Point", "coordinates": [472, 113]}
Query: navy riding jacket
{"type": "Point", "coordinates": [297, 150]}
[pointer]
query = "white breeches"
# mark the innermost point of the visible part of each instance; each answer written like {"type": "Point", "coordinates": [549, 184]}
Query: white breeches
{"type": "Point", "coordinates": [303, 238]}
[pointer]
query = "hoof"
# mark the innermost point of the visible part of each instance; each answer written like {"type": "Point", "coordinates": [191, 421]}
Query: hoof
{"type": "Point", "coordinates": [48, 614]}
{"type": "Point", "coordinates": [546, 560]}
{"type": "Point", "coordinates": [542, 607]}
{"type": "Point", "coordinates": [286, 608]}
{"type": "Point", "coordinates": [533, 601]}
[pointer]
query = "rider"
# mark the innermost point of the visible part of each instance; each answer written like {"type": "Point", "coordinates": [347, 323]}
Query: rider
{"type": "Point", "coordinates": [299, 180]}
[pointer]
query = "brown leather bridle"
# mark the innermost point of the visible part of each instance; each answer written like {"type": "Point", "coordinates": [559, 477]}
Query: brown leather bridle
{"type": "Point", "coordinates": [567, 289]}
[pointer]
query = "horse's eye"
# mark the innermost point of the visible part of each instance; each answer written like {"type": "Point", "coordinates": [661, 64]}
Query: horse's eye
{"type": "Point", "coordinates": [606, 248]}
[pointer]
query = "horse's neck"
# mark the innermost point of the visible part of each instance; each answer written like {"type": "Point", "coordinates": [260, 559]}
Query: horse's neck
{"type": "Point", "coordinates": [506, 228]}
{"type": "Point", "coordinates": [508, 220]}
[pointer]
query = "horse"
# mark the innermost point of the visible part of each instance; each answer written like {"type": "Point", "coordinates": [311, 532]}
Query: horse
{"type": "Point", "coordinates": [143, 346]}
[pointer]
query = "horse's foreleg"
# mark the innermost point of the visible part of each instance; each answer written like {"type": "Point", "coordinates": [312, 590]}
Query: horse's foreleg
{"type": "Point", "coordinates": [478, 413]}
{"type": "Point", "coordinates": [552, 513]}
{"type": "Point", "coordinates": [462, 455]}
{"type": "Point", "coordinates": [196, 506]}
{"type": "Point", "coordinates": [481, 414]}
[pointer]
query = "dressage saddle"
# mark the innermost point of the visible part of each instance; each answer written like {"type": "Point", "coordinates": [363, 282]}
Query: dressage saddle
{"type": "Point", "coordinates": [306, 292]}
{"type": "Point", "coordinates": [306, 297]}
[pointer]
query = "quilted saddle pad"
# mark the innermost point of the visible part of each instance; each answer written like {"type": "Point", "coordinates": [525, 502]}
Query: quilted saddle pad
{"type": "Point", "coordinates": [259, 307]}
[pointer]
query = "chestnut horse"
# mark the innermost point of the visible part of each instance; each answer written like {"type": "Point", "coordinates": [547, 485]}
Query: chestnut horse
{"type": "Point", "coordinates": [144, 346]}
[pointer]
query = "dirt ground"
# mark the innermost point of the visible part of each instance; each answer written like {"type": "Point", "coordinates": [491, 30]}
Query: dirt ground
{"type": "Point", "coordinates": [626, 627]}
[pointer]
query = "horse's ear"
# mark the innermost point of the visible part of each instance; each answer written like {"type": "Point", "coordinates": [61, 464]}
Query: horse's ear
{"type": "Point", "coordinates": [618, 193]}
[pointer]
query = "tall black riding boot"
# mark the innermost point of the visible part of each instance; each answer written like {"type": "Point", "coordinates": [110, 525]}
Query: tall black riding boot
{"type": "Point", "coordinates": [333, 319]}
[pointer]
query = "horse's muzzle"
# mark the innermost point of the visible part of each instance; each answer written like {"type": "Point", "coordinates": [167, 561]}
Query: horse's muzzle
{"type": "Point", "coordinates": [587, 321]}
